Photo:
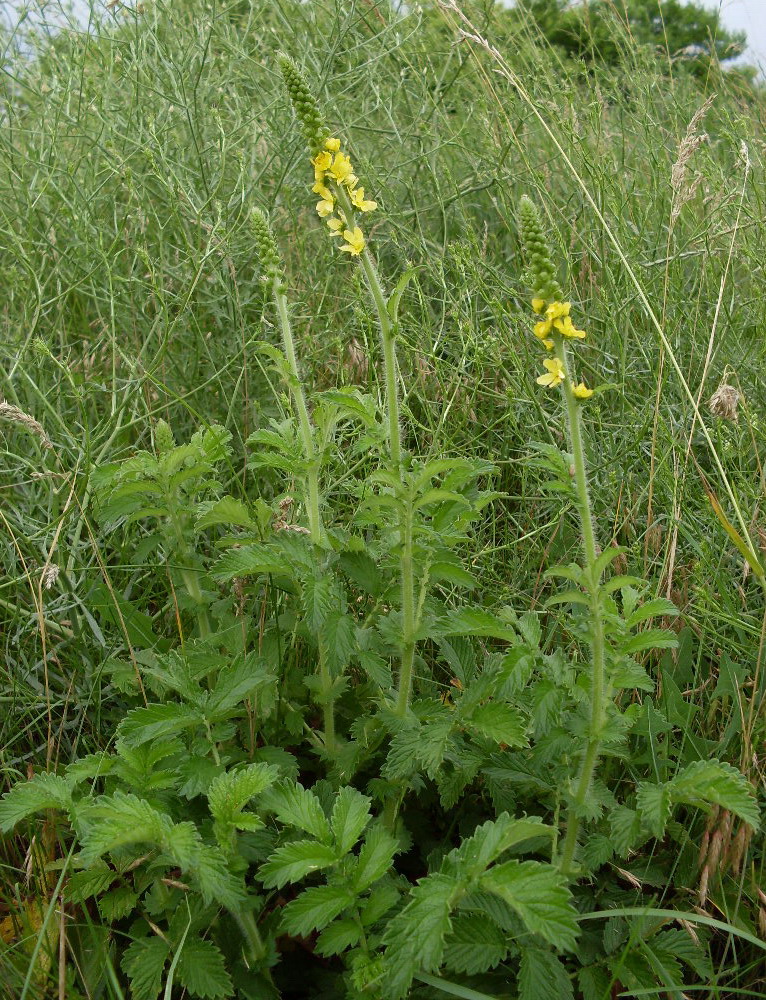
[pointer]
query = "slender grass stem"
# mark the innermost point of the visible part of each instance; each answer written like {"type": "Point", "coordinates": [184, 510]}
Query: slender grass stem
{"type": "Point", "coordinates": [597, 678]}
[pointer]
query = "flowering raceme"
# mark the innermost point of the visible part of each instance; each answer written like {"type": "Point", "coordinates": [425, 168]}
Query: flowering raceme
{"type": "Point", "coordinates": [555, 326]}
{"type": "Point", "coordinates": [340, 199]}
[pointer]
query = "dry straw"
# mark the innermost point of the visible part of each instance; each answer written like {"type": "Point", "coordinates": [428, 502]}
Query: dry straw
{"type": "Point", "coordinates": [17, 416]}
{"type": "Point", "coordinates": [684, 186]}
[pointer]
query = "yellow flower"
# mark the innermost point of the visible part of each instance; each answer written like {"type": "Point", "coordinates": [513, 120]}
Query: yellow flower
{"type": "Point", "coordinates": [322, 190]}
{"type": "Point", "coordinates": [325, 207]}
{"type": "Point", "coordinates": [557, 309]}
{"type": "Point", "coordinates": [354, 241]}
{"type": "Point", "coordinates": [335, 226]}
{"type": "Point", "coordinates": [554, 375]}
{"type": "Point", "coordinates": [358, 201]}
{"type": "Point", "coordinates": [581, 391]}
{"type": "Point", "coordinates": [548, 345]}
{"type": "Point", "coordinates": [332, 144]}
{"type": "Point", "coordinates": [542, 328]}
{"type": "Point", "coordinates": [567, 328]}
{"type": "Point", "coordinates": [538, 305]}
{"type": "Point", "coordinates": [322, 161]}
{"type": "Point", "coordinates": [341, 167]}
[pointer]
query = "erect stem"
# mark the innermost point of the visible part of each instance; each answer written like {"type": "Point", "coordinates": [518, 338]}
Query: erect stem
{"type": "Point", "coordinates": [406, 568]}
{"type": "Point", "coordinates": [389, 357]}
{"type": "Point", "coordinates": [304, 423]}
{"type": "Point", "coordinates": [408, 612]}
{"type": "Point", "coordinates": [189, 575]}
{"type": "Point", "coordinates": [312, 484]}
{"type": "Point", "coordinates": [597, 677]}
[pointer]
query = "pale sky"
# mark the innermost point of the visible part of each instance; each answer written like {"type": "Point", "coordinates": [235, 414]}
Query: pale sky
{"type": "Point", "coordinates": [748, 15]}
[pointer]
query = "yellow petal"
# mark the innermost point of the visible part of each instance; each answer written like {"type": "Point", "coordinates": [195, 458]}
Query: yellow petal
{"type": "Point", "coordinates": [542, 328]}
{"type": "Point", "coordinates": [322, 161]}
{"type": "Point", "coordinates": [557, 309]}
{"type": "Point", "coordinates": [538, 305]}
{"type": "Point", "coordinates": [332, 144]}
{"type": "Point", "coordinates": [325, 208]}
{"type": "Point", "coordinates": [581, 391]}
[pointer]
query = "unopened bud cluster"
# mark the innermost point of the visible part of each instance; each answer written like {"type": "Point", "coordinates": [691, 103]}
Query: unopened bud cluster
{"type": "Point", "coordinates": [266, 247]}
{"type": "Point", "coordinates": [541, 270]}
{"type": "Point", "coordinates": [307, 111]}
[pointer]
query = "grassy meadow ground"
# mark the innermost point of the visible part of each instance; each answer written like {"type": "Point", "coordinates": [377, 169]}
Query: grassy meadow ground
{"type": "Point", "coordinates": [130, 158]}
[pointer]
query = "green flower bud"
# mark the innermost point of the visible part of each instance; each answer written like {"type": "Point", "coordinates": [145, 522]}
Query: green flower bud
{"type": "Point", "coordinates": [163, 438]}
{"type": "Point", "coordinates": [304, 104]}
{"type": "Point", "coordinates": [266, 247]}
{"type": "Point", "coordinates": [542, 273]}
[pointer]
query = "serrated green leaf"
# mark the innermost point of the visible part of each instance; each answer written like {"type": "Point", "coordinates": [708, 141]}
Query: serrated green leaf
{"type": "Point", "coordinates": [230, 792]}
{"type": "Point", "coordinates": [652, 638]}
{"type": "Point", "coordinates": [294, 861]}
{"type": "Point", "coordinates": [476, 621]}
{"type": "Point", "coordinates": [594, 983]}
{"type": "Point", "coordinates": [250, 560]}
{"type": "Point", "coordinates": [236, 682]}
{"type": "Point", "coordinates": [113, 821]}
{"type": "Point", "coordinates": [144, 963]}
{"type": "Point", "coordinates": [489, 841]}
{"type": "Point", "coordinates": [319, 601]}
{"type": "Point", "coordinates": [297, 806]}
{"type": "Point", "coordinates": [361, 569]}
{"type": "Point", "coordinates": [605, 558]}
{"type": "Point", "coordinates": [653, 802]}
{"type": "Point", "coordinates": [475, 945]}
{"type": "Point", "coordinates": [679, 942]}
{"type": "Point", "coordinates": [227, 511]}
{"type": "Point", "coordinates": [415, 937]}
{"type": "Point", "coordinates": [540, 897]}
{"type": "Point", "coordinates": [375, 858]}
{"type": "Point", "coordinates": [659, 607]}
{"type": "Point", "coordinates": [499, 722]}
{"type": "Point", "coordinates": [337, 639]}
{"type": "Point", "coordinates": [142, 725]}
{"type": "Point", "coordinates": [202, 971]}
{"type": "Point", "coordinates": [118, 903]}
{"type": "Point", "coordinates": [716, 783]}
{"type": "Point", "coordinates": [90, 882]}
{"type": "Point", "coordinates": [625, 829]}
{"type": "Point", "coordinates": [542, 976]}
{"type": "Point", "coordinates": [350, 815]}
{"type": "Point", "coordinates": [567, 597]}
{"type": "Point", "coordinates": [44, 791]}
{"type": "Point", "coordinates": [315, 908]}
{"type": "Point", "coordinates": [340, 935]}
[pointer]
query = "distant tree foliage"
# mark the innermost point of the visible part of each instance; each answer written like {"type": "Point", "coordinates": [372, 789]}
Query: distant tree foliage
{"type": "Point", "coordinates": [687, 31]}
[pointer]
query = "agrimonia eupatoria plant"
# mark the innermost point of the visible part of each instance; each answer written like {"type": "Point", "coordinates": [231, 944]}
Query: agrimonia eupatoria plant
{"type": "Point", "coordinates": [609, 607]}
{"type": "Point", "coordinates": [448, 822]}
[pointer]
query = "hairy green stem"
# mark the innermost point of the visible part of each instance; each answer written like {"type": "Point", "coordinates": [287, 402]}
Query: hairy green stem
{"type": "Point", "coordinates": [299, 399]}
{"type": "Point", "coordinates": [406, 568]}
{"type": "Point", "coordinates": [189, 575]}
{"type": "Point", "coordinates": [597, 678]}
{"type": "Point", "coordinates": [257, 950]}
{"type": "Point", "coordinates": [408, 614]}
{"type": "Point", "coordinates": [312, 482]}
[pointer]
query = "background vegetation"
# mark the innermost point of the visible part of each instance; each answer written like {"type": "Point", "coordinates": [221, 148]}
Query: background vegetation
{"type": "Point", "coordinates": [130, 158]}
